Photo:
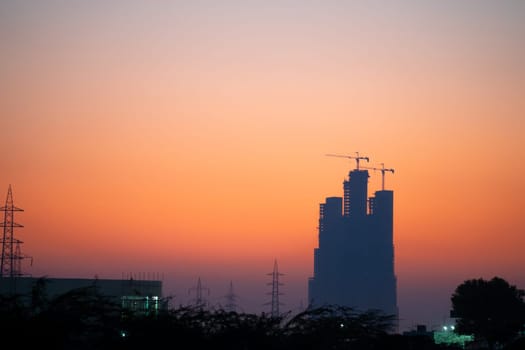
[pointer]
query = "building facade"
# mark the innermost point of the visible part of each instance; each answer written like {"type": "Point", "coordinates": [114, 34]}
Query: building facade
{"type": "Point", "coordinates": [354, 260]}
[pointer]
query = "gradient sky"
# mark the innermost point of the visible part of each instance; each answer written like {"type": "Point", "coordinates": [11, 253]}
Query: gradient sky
{"type": "Point", "coordinates": [188, 138]}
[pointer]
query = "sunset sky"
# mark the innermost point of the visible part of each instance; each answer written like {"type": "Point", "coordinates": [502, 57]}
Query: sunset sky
{"type": "Point", "coordinates": [188, 138]}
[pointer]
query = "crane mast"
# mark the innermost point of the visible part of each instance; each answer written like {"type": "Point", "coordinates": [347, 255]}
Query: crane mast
{"type": "Point", "coordinates": [383, 170]}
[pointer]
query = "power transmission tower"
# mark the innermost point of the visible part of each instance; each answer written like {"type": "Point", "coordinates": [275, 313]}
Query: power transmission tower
{"type": "Point", "coordinates": [275, 303]}
{"type": "Point", "coordinates": [19, 257]}
{"type": "Point", "coordinates": [10, 261]}
{"type": "Point", "coordinates": [199, 300]}
{"type": "Point", "coordinates": [231, 299]}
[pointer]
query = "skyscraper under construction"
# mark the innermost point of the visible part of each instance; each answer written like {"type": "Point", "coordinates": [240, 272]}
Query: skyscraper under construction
{"type": "Point", "coordinates": [354, 261]}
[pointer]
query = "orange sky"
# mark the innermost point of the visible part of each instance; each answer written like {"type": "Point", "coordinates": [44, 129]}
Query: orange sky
{"type": "Point", "coordinates": [188, 138]}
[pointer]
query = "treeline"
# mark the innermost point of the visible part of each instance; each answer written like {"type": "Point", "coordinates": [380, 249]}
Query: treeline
{"type": "Point", "coordinates": [85, 319]}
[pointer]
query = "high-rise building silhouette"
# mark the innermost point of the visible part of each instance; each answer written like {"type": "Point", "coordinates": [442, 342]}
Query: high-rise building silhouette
{"type": "Point", "coordinates": [354, 260]}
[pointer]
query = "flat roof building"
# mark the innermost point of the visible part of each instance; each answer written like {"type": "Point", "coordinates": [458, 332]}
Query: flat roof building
{"type": "Point", "coordinates": [136, 295]}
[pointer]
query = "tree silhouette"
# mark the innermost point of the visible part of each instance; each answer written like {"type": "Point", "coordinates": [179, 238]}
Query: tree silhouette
{"type": "Point", "coordinates": [337, 327]}
{"type": "Point", "coordinates": [81, 318]}
{"type": "Point", "coordinates": [493, 310]}
{"type": "Point", "coordinates": [85, 319]}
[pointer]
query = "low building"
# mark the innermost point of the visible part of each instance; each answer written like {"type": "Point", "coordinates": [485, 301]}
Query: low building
{"type": "Point", "coordinates": [137, 295]}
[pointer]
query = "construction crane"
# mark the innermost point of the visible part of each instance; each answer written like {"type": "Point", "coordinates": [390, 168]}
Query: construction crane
{"type": "Point", "coordinates": [383, 170]}
{"type": "Point", "coordinates": [357, 158]}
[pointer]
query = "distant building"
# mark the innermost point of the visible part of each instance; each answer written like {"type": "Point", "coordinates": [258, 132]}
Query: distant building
{"type": "Point", "coordinates": [354, 261]}
{"type": "Point", "coordinates": [142, 296]}
{"type": "Point", "coordinates": [420, 331]}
